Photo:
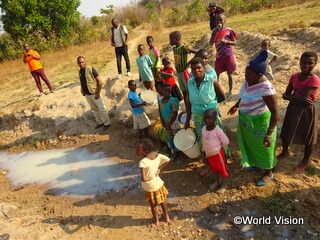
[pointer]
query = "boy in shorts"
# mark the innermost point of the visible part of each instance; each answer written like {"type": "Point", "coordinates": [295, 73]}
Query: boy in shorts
{"type": "Point", "coordinates": [223, 38]}
{"type": "Point", "coordinates": [140, 118]}
{"type": "Point", "coordinates": [180, 54]}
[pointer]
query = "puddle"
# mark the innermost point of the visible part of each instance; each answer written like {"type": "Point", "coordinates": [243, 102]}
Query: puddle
{"type": "Point", "coordinates": [71, 172]}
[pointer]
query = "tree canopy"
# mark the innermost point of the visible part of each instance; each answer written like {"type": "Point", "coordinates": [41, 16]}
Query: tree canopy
{"type": "Point", "coordinates": [48, 19]}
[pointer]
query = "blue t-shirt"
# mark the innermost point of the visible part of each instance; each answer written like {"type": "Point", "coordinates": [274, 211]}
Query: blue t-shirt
{"type": "Point", "coordinates": [136, 100]}
{"type": "Point", "coordinates": [144, 63]}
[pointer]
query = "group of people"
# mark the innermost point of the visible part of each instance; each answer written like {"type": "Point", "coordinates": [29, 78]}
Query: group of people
{"type": "Point", "coordinates": [257, 107]}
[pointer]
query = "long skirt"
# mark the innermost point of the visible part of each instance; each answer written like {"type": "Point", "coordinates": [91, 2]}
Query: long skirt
{"type": "Point", "coordinates": [300, 124]}
{"type": "Point", "coordinates": [251, 132]}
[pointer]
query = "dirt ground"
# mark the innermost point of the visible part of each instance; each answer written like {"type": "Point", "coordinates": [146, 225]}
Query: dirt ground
{"type": "Point", "coordinates": [60, 121]}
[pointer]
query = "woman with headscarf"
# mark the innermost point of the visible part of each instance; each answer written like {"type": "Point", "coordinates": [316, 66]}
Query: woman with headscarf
{"type": "Point", "coordinates": [258, 116]}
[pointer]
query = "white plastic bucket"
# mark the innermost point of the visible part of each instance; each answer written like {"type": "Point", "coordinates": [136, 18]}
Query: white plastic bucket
{"type": "Point", "coordinates": [150, 97]}
{"type": "Point", "coordinates": [186, 141]}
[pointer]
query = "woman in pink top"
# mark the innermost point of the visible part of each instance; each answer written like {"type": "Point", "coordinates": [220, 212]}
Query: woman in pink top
{"type": "Point", "coordinates": [300, 125]}
{"type": "Point", "coordinates": [213, 141]}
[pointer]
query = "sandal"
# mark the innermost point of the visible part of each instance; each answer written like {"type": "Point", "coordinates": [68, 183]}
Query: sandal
{"type": "Point", "coordinates": [264, 180]}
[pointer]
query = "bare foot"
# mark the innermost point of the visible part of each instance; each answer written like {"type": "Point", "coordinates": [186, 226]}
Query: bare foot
{"type": "Point", "coordinates": [204, 172]}
{"type": "Point", "coordinates": [284, 154]}
{"type": "Point", "coordinates": [156, 222]}
{"type": "Point", "coordinates": [166, 218]}
{"type": "Point", "coordinates": [302, 167]}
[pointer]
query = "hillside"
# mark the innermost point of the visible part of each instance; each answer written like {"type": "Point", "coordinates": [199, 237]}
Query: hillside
{"type": "Point", "coordinates": [62, 120]}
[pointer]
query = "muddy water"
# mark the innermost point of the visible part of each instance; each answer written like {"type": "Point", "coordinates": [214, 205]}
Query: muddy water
{"type": "Point", "coordinates": [71, 172]}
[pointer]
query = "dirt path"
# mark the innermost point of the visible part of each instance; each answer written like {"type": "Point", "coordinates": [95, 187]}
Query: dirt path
{"type": "Point", "coordinates": [31, 212]}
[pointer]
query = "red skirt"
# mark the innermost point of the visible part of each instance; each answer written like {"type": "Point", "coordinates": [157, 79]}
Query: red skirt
{"type": "Point", "coordinates": [218, 163]}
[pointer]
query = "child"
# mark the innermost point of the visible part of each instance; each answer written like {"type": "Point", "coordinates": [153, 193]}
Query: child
{"type": "Point", "coordinates": [140, 118]}
{"type": "Point", "coordinates": [144, 66]}
{"type": "Point", "coordinates": [168, 109]}
{"type": "Point", "coordinates": [167, 74]}
{"type": "Point", "coordinates": [159, 87]}
{"type": "Point", "coordinates": [155, 58]}
{"type": "Point", "coordinates": [213, 141]}
{"type": "Point", "coordinates": [223, 38]}
{"type": "Point", "coordinates": [180, 53]}
{"type": "Point", "coordinates": [150, 166]}
{"type": "Point", "coordinates": [300, 125]}
{"type": "Point", "coordinates": [272, 57]}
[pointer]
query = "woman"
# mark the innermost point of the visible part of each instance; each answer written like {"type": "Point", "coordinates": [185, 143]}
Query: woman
{"type": "Point", "coordinates": [258, 116]}
{"type": "Point", "coordinates": [203, 93]}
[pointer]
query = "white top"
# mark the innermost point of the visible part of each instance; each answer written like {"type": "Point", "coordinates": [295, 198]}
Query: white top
{"type": "Point", "coordinates": [152, 166]}
{"type": "Point", "coordinates": [117, 35]}
{"type": "Point", "coordinates": [213, 141]}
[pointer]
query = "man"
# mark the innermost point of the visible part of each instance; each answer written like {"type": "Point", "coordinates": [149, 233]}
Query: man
{"type": "Point", "coordinates": [214, 11]}
{"type": "Point", "coordinates": [32, 58]}
{"type": "Point", "coordinates": [119, 39]}
{"type": "Point", "coordinates": [91, 84]}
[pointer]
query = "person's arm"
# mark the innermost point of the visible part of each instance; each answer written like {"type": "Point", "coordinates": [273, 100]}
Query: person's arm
{"type": "Point", "coordinates": [272, 104]}
{"type": "Point", "coordinates": [166, 75]}
{"type": "Point", "coordinates": [220, 10]}
{"type": "Point", "coordinates": [143, 175]}
{"type": "Point", "coordinates": [99, 86]}
{"type": "Point", "coordinates": [234, 108]}
{"type": "Point", "coordinates": [275, 57]}
{"type": "Point", "coordinates": [229, 42]}
{"type": "Point", "coordinates": [304, 97]}
{"type": "Point", "coordinates": [219, 91]}
{"type": "Point", "coordinates": [133, 105]}
{"type": "Point", "coordinates": [188, 111]}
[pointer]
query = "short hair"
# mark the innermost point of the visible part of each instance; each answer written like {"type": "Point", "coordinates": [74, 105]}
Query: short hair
{"type": "Point", "coordinates": [267, 40]}
{"type": "Point", "coordinates": [309, 54]}
{"type": "Point", "coordinates": [176, 34]}
{"type": "Point", "coordinates": [200, 52]}
{"type": "Point", "coordinates": [166, 85]}
{"type": "Point", "coordinates": [80, 57]}
{"type": "Point", "coordinates": [211, 111]}
{"type": "Point", "coordinates": [165, 59]}
{"type": "Point", "coordinates": [149, 37]}
{"type": "Point", "coordinates": [197, 60]}
{"type": "Point", "coordinates": [146, 144]}
{"type": "Point", "coordinates": [140, 45]}
{"type": "Point", "coordinates": [130, 82]}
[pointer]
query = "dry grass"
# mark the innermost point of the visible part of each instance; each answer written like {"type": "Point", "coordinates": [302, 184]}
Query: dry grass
{"type": "Point", "coordinates": [61, 68]}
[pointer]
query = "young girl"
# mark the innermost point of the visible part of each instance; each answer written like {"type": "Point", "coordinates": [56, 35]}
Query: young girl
{"type": "Point", "coordinates": [300, 125]}
{"type": "Point", "coordinates": [144, 66]}
{"type": "Point", "coordinates": [168, 109]}
{"type": "Point", "coordinates": [213, 141]}
{"type": "Point", "coordinates": [167, 74]}
{"type": "Point", "coordinates": [155, 58]}
{"type": "Point", "coordinates": [150, 166]}
{"type": "Point", "coordinates": [272, 57]}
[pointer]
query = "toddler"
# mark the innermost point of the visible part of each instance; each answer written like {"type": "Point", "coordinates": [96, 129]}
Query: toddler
{"type": "Point", "coordinates": [272, 57]}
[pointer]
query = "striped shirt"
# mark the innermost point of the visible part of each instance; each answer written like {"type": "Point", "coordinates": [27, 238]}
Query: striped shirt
{"type": "Point", "coordinates": [252, 102]}
{"type": "Point", "coordinates": [224, 50]}
{"type": "Point", "coordinates": [180, 54]}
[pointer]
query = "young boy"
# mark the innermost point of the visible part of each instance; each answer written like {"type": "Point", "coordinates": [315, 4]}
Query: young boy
{"type": "Point", "coordinates": [155, 58]}
{"type": "Point", "coordinates": [272, 57]}
{"type": "Point", "coordinates": [144, 66]}
{"type": "Point", "coordinates": [140, 118]}
{"type": "Point", "coordinates": [180, 54]}
{"type": "Point", "coordinates": [223, 38]}
{"type": "Point", "coordinates": [213, 141]}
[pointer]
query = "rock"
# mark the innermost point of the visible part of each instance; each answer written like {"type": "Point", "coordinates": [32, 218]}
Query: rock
{"type": "Point", "coordinates": [215, 208]}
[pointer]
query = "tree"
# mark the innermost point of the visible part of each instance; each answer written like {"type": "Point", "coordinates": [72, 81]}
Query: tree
{"type": "Point", "coordinates": [48, 19]}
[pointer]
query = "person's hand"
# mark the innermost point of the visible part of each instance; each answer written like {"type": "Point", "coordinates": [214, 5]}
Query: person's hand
{"type": "Point", "coordinates": [187, 125]}
{"type": "Point", "coordinates": [232, 110]}
{"type": "Point", "coordinates": [219, 26]}
{"type": "Point", "coordinates": [157, 173]}
{"type": "Point", "coordinates": [267, 141]}
{"type": "Point", "coordinates": [223, 40]}
{"type": "Point", "coordinates": [96, 95]}
{"type": "Point", "coordinates": [112, 44]}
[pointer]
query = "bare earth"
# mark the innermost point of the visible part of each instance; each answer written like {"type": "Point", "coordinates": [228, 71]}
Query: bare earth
{"type": "Point", "coordinates": [63, 120]}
